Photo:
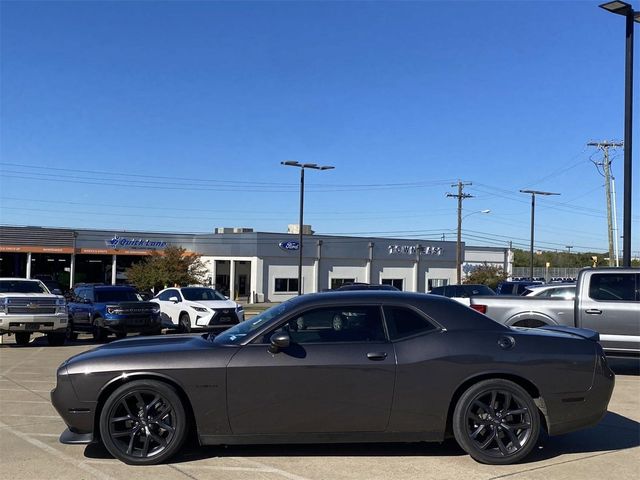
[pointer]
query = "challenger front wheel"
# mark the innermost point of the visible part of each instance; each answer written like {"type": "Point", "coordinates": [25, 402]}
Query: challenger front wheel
{"type": "Point", "coordinates": [143, 422]}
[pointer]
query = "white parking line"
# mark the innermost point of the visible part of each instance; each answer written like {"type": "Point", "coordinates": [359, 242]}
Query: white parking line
{"type": "Point", "coordinates": [230, 469]}
{"type": "Point", "coordinates": [269, 468]}
{"type": "Point", "coordinates": [30, 416]}
{"type": "Point", "coordinates": [25, 401]}
{"type": "Point", "coordinates": [56, 453]}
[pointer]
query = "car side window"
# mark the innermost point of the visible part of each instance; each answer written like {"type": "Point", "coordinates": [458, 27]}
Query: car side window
{"type": "Point", "coordinates": [404, 322]}
{"type": "Point", "coordinates": [620, 287]}
{"type": "Point", "coordinates": [338, 324]}
{"type": "Point", "coordinates": [164, 296]}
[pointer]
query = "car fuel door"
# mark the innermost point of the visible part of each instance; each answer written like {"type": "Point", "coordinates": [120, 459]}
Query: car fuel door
{"type": "Point", "coordinates": [333, 372]}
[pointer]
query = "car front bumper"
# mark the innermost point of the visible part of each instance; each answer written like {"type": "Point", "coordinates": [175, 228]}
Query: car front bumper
{"type": "Point", "coordinates": [33, 323]}
{"type": "Point", "coordinates": [77, 415]}
{"type": "Point", "coordinates": [128, 324]}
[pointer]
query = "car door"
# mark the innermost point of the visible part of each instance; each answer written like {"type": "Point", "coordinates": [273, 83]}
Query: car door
{"type": "Point", "coordinates": [168, 307]}
{"type": "Point", "coordinates": [610, 305]}
{"type": "Point", "coordinates": [337, 375]}
{"type": "Point", "coordinates": [81, 309]}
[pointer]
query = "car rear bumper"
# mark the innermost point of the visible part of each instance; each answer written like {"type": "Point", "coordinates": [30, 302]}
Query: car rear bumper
{"type": "Point", "coordinates": [568, 412]}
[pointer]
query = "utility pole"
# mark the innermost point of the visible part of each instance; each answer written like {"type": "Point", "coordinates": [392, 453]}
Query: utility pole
{"type": "Point", "coordinates": [533, 194]}
{"type": "Point", "coordinates": [460, 196]}
{"type": "Point", "coordinates": [606, 173]}
{"type": "Point", "coordinates": [568, 247]}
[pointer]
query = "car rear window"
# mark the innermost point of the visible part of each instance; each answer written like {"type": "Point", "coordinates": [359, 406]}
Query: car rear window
{"type": "Point", "coordinates": [404, 322]}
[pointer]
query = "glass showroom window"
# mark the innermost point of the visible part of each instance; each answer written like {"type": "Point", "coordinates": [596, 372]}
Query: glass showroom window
{"type": "Point", "coordinates": [395, 282]}
{"type": "Point", "coordinates": [286, 285]}
{"type": "Point", "coordinates": [437, 282]}
{"type": "Point", "coordinates": [338, 282]}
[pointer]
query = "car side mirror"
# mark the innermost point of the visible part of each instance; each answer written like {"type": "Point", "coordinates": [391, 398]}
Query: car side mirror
{"type": "Point", "coordinates": [174, 299]}
{"type": "Point", "coordinates": [279, 341]}
{"type": "Point", "coordinates": [87, 300]}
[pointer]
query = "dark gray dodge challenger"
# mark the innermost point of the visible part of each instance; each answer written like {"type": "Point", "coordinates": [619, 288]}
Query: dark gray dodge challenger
{"type": "Point", "coordinates": [368, 366]}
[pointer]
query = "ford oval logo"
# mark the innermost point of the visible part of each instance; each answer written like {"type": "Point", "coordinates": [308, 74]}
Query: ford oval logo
{"type": "Point", "coordinates": [289, 245]}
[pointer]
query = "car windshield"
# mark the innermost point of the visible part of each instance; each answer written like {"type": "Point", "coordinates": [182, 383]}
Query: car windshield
{"type": "Point", "coordinates": [239, 332]}
{"type": "Point", "coordinates": [198, 294]}
{"type": "Point", "coordinates": [120, 295]}
{"type": "Point", "coordinates": [478, 290]}
{"type": "Point", "coordinates": [18, 286]}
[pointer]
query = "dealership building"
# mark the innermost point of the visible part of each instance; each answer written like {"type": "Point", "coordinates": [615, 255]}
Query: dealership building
{"type": "Point", "coordinates": [241, 263]}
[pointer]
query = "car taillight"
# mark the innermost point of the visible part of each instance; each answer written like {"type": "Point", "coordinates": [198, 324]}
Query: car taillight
{"type": "Point", "coordinates": [480, 308]}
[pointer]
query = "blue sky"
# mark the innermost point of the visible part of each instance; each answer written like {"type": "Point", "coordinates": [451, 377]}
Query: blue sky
{"type": "Point", "coordinates": [175, 116]}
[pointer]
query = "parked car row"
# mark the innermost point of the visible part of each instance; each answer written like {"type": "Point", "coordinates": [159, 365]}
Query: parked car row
{"type": "Point", "coordinates": [27, 306]}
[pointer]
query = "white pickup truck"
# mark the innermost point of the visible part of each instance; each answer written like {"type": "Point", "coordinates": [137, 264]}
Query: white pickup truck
{"type": "Point", "coordinates": [27, 306]}
{"type": "Point", "coordinates": [607, 300]}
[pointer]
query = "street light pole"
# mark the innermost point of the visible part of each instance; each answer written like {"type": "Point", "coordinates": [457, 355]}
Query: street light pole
{"type": "Point", "coordinates": [302, 166]}
{"type": "Point", "coordinates": [625, 9]}
{"type": "Point", "coordinates": [533, 194]}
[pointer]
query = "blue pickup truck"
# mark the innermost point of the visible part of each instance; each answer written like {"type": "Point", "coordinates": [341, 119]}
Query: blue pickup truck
{"type": "Point", "coordinates": [106, 309]}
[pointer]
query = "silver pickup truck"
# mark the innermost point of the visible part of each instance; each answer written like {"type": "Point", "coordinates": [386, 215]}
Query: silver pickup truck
{"type": "Point", "coordinates": [607, 300]}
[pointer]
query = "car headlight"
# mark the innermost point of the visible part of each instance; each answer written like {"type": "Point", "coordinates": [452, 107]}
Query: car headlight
{"type": "Point", "coordinates": [200, 309]}
{"type": "Point", "coordinates": [114, 310]}
{"type": "Point", "coordinates": [61, 305]}
{"type": "Point", "coordinates": [3, 305]}
{"type": "Point", "coordinates": [239, 308]}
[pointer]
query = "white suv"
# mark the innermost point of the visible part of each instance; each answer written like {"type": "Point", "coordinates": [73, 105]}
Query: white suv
{"type": "Point", "coordinates": [197, 307]}
{"type": "Point", "coordinates": [27, 306]}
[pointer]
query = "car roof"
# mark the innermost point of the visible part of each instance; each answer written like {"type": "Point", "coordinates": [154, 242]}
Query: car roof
{"type": "Point", "coordinates": [451, 314]}
{"type": "Point", "coordinates": [14, 279]}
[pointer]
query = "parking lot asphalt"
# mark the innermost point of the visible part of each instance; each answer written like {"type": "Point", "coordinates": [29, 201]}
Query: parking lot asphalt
{"type": "Point", "coordinates": [30, 427]}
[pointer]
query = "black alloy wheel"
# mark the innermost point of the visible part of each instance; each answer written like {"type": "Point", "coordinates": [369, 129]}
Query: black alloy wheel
{"type": "Point", "coordinates": [496, 422]}
{"type": "Point", "coordinates": [22, 338]}
{"type": "Point", "coordinates": [56, 339]}
{"type": "Point", "coordinates": [143, 422]}
{"type": "Point", "coordinates": [184, 323]}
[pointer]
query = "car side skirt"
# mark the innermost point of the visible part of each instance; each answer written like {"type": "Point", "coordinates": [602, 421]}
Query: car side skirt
{"type": "Point", "coordinates": [307, 438]}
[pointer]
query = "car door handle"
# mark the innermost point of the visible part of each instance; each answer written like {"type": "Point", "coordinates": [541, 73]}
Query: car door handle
{"type": "Point", "coordinates": [593, 311]}
{"type": "Point", "coordinates": [377, 355]}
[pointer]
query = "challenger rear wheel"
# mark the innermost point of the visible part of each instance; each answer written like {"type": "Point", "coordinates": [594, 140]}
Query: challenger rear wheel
{"type": "Point", "coordinates": [143, 422]}
{"type": "Point", "coordinates": [496, 422]}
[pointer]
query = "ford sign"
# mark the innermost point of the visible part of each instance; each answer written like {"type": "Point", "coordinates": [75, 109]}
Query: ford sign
{"type": "Point", "coordinates": [289, 245]}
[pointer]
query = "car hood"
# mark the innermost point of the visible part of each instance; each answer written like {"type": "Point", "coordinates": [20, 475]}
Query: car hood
{"type": "Point", "coordinates": [230, 304]}
{"type": "Point", "coordinates": [137, 351]}
{"type": "Point", "coordinates": [29, 295]}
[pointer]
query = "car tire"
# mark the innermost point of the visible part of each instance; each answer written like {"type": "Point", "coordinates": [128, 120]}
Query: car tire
{"type": "Point", "coordinates": [56, 339]}
{"type": "Point", "coordinates": [22, 338]}
{"type": "Point", "coordinates": [496, 422]}
{"type": "Point", "coordinates": [121, 335]}
{"type": "Point", "coordinates": [184, 323]}
{"type": "Point", "coordinates": [70, 334]}
{"type": "Point", "coordinates": [99, 333]}
{"type": "Point", "coordinates": [143, 422]}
